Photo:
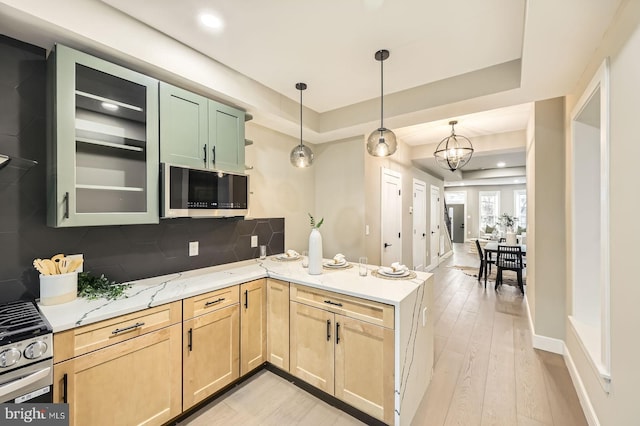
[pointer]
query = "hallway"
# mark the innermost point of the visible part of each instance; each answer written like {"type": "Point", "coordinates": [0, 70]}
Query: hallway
{"type": "Point", "coordinates": [486, 371]}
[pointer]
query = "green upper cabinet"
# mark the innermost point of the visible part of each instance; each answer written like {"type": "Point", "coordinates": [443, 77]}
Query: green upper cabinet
{"type": "Point", "coordinates": [103, 148]}
{"type": "Point", "coordinates": [226, 134]}
{"type": "Point", "coordinates": [199, 132]}
{"type": "Point", "coordinates": [183, 127]}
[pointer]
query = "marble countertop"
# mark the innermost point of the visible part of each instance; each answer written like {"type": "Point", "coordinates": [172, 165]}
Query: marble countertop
{"type": "Point", "coordinates": [159, 290]}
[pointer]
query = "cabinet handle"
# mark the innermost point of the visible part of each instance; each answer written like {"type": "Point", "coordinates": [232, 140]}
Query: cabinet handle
{"type": "Point", "coordinates": [131, 327]}
{"type": "Point", "coordinates": [213, 151]}
{"type": "Point", "coordinates": [64, 388]}
{"type": "Point", "coordinates": [333, 303]}
{"type": "Point", "coordinates": [204, 148]}
{"type": "Point", "coordinates": [328, 330]}
{"type": "Point", "coordinates": [66, 205]}
{"type": "Point", "coordinates": [190, 343]}
{"type": "Point", "coordinates": [246, 299]}
{"type": "Point", "coordinates": [213, 302]}
{"type": "Point", "coordinates": [337, 333]}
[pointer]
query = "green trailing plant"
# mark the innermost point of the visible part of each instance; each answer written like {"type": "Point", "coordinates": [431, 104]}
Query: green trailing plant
{"type": "Point", "coordinates": [92, 287]}
{"type": "Point", "coordinates": [313, 222]}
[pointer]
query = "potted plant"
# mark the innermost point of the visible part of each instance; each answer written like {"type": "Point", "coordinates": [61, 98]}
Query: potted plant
{"type": "Point", "coordinates": [315, 246]}
{"type": "Point", "coordinates": [507, 221]}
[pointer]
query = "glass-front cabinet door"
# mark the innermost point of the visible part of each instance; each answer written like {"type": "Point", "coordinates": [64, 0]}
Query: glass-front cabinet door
{"type": "Point", "coordinates": [103, 157]}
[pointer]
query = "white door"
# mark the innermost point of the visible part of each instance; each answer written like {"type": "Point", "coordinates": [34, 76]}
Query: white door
{"type": "Point", "coordinates": [391, 217]}
{"type": "Point", "coordinates": [419, 225]}
{"type": "Point", "coordinates": [434, 243]}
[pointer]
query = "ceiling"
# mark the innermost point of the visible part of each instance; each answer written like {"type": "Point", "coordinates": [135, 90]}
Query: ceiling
{"type": "Point", "coordinates": [481, 63]}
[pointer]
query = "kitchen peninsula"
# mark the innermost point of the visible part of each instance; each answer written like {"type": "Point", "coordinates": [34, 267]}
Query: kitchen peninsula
{"type": "Point", "coordinates": [354, 316]}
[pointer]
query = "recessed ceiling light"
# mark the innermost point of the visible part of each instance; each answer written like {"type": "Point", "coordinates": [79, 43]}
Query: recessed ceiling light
{"type": "Point", "coordinates": [501, 164]}
{"type": "Point", "coordinates": [212, 21]}
{"type": "Point", "coordinates": [461, 183]}
{"type": "Point", "coordinates": [109, 106]}
{"type": "Point", "coordinates": [516, 181]}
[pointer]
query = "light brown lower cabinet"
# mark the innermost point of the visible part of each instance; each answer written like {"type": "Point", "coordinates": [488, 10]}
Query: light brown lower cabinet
{"type": "Point", "coordinates": [253, 325]}
{"type": "Point", "coordinates": [134, 382]}
{"type": "Point", "coordinates": [344, 357]}
{"type": "Point", "coordinates": [278, 323]}
{"type": "Point", "coordinates": [210, 354]}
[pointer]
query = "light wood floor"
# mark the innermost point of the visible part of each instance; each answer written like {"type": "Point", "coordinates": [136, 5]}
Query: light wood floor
{"type": "Point", "coordinates": [486, 371]}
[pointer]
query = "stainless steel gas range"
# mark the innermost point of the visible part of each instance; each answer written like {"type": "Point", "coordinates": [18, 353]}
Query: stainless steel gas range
{"type": "Point", "coordinates": [26, 354]}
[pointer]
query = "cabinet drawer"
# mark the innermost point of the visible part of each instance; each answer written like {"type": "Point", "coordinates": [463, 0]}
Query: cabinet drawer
{"type": "Point", "coordinates": [207, 302]}
{"type": "Point", "coordinates": [81, 340]}
{"type": "Point", "coordinates": [354, 307]}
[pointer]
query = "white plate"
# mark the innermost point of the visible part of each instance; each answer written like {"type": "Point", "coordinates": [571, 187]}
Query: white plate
{"type": "Point", "coordinates": [390, 272]}
{"type": "Point", "coordinates": [335, 265]}
{"type": "Point", "coordinates": [285, 257]}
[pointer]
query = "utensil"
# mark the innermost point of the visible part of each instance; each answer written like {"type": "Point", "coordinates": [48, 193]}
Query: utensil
{"type": "Point", "coordinates": [51, 266]}
{"type": "Point", "coordinates": [63, 265]}
{"type": "Point", "coordinates": [56, 259]}
{"type": "Point", "coordinates": [74, 265]}
{"type": "Point", "coordinates": [40, 267]}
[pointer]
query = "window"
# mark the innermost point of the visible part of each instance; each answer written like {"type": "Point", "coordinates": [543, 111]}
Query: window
{"type": "Point", "coordinates": [520, 207]}
{"type": "Point", "coordinates": [489, 202]}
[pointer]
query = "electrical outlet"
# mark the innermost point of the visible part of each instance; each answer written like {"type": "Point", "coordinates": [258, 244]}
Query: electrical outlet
{"type": "Point", "coordinates": [254, 241]}
{"type": "Point", "coordinates": [194, 248]}
{"type": "Point", "coordinates": [424, 317]}
{"type": "Point", "coordinates": [366, 230]}
{"type": "Point", "coordinates": [77, 256]}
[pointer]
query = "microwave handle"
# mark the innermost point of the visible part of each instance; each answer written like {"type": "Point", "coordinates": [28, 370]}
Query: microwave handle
{"type": "Point", "coordinates": [204, 148]}
{"type": "Point", "coordinates": [213, 160]}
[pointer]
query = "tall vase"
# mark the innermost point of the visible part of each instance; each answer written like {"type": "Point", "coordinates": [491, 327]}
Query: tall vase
{"type": "Point", "coordinates": [315, 252]}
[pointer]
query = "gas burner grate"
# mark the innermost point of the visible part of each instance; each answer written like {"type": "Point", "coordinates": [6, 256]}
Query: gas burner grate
{"type": "Point", "coordinates": [19, 319]}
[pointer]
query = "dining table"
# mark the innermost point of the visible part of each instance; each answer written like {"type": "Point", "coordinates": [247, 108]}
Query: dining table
{"type": "Point", "coordinates": [492, 247]}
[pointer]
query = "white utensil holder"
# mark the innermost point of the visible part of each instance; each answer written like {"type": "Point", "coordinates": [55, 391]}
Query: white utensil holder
{"type": "Point", "coordinates": [56, 289]}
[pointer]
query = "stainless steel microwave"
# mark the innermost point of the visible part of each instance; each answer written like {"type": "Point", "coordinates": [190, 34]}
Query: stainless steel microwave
{"type": "Point", "coordinates": [192, 192]}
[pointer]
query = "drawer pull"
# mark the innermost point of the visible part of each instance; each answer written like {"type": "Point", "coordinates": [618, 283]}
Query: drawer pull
{"type": "Point", "coordinates": [328, 330]}
{"type": "Point", "coordinates": [131, 327]}
{"type": "Point", "coordinates": [246, 299]}
{"type": "Point", "coordinates": [333, 303]}
{"type": "Point", "coordinates": [213, 302]}
{"type": "Point", "coordinates": [190, 343]}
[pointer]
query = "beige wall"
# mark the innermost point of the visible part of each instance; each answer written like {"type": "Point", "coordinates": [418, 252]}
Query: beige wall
{"type": "Point", "coordinates": [399, 162]}
{"type": "Point", "coordinates": [531, 225]}
{"type": "Point", "coordinates": [548, 220]}
{"type": "Point", "coordinates": [622, 45]}
{"type": "Point", "coordinates": [339, 195]}
{"type": "Point", "coordinates": [277, 188]}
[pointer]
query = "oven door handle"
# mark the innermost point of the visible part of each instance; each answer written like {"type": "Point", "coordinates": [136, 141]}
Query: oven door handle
{"type": "Point", "coordinates": [23, 382]}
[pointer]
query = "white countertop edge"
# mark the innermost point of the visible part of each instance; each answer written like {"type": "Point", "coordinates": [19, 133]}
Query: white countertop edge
{"type": "Point", "coordinates": [156, 291]}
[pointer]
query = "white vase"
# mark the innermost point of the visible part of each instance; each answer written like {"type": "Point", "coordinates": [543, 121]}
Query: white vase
{"type": "Point", "coordinates": [315, 252]}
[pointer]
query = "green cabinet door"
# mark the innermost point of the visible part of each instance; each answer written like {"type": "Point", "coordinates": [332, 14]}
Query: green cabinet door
{"type": "Point", "coordinates": [102, 160]}
{"type": "Point", "coordinates": [183, 128]}
{"type": "Point", "coordinates": [226, 134]}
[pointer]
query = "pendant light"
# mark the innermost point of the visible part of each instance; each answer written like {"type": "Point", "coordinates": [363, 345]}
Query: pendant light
{"type": "Point", "coordinates": [382, 142]}
{"type": "Point", "coordinates": [454, 151]}
{"type": "Point", "coordinates": [301, 156]}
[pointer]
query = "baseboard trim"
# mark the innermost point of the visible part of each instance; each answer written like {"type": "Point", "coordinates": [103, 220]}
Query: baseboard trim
{"type": "Point", "coordinates": [544, 343]}
{"type": "Point", "coordinates": [585, 402]}
{"type": "Point", "coordinates": [447, 254]}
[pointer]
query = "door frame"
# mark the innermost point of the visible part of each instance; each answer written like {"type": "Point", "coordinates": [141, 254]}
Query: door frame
{"type": "Point", "coordinates": [418, 240]}
{"type": "Point", "coordinates": [434, 260]}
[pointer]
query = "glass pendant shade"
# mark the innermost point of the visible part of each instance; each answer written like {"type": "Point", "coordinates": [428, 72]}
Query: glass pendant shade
{"type": "Point", "coordinates": [301, 156]}
{"type": "Point", "coordinates": [454, 151]}
{"type": "Point", "coordinates": [382, 143]}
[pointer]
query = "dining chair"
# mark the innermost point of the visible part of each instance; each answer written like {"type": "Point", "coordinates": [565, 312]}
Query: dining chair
{"type": "Point", "coordinates": [484, 263]}
{"type": "Point", "coordinates": [509, 258]}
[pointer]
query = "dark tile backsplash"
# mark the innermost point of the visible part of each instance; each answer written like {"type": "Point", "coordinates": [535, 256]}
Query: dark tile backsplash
{"type": "Point", "coordinates": [122, 253]}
